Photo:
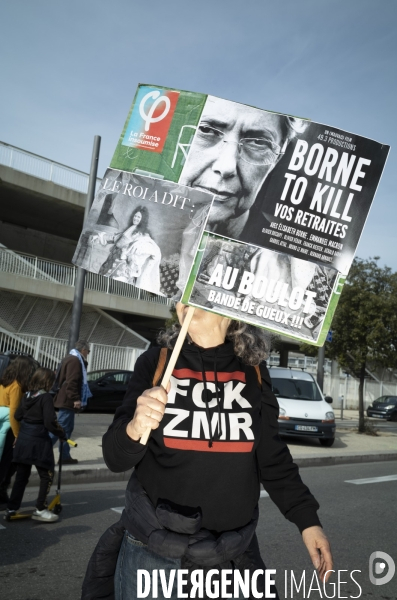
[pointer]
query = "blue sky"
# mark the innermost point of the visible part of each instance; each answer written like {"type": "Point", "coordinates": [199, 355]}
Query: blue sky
{"type": "Point", "coordinates": [69, 70]}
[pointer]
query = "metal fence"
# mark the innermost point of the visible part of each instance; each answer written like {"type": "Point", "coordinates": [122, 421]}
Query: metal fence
{"type": "Point", "coordinates": [111, 357]}
{"type": "Point", "coordinates": [34, 267]}
{"type": "Point", "coordinates": [308, 363]}
{"type": "Point", "coordinates": [50, 351]}
{"type": "Point", "coordinates": [43, 168]}
{"type": "Point", "coordinates": [345, 390]}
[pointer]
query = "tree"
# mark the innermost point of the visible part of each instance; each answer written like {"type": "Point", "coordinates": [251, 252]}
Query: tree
{"type": "Point", "coordinates": [173, 318]}
{"type": "Point", "coordinates": [364, 328]}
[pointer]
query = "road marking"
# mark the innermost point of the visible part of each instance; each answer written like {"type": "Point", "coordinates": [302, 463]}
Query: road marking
{"type": "Point", "coordinates": [118, 509]}
{"type": "Point", "coordinates": [2, 527]}
{"type": "Point", "coordinates": [372, 479]}
{"type": "Point", "coordinates": [264, 494]}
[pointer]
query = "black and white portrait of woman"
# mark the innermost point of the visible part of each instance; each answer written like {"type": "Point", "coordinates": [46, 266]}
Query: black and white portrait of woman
{"type": "Point", "coordinates": [133, 232]}
{"type": "Point", "coordinates": [134, 256]}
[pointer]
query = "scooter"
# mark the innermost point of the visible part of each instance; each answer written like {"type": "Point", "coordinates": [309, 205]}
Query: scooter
{"type": "Point", "coordinates": [55, 505]}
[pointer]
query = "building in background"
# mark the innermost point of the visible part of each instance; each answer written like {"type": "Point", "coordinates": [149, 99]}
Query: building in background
{"type": "Point", "coordinates": [41, 217]}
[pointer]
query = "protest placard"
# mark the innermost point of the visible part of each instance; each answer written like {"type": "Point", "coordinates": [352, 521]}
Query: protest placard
{"type": "Point", "coordinates": [252, 284]}
{"type": "Point", "coordinates": [291, 201]}
{"type": "Point", "coordinates": [310, 186]}
{"type": "Point", "coordinates": [291, 198]}
{"type": "Point", "coordinates": [135, 229]}
{"type": "Point", "coordinates": [158, 131]}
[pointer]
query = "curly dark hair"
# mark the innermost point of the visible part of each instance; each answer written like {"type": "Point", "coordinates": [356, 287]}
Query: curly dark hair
{"type": "Point", "coordinates": [250, 343]}
{"type": "Point", "coordinates": [42, 379]}
{"type": "Point", "coordinates": [144, 222]}
{"type": "Point", "coordinates": [20, 369]}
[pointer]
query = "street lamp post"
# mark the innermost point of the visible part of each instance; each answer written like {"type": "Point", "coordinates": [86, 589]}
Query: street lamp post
{"type": "Point", "coordinates": [80, 277]}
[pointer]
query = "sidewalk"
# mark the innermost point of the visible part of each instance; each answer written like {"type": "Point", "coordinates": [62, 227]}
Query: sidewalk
{"type": "Point", "coordinates": [349, 447]}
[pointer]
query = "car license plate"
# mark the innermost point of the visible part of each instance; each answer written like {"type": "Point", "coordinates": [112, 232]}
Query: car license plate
{"type": "Point", "coordinates": [305, 428]}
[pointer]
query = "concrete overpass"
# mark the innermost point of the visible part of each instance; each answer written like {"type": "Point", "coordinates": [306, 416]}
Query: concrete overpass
{"type": "Point", "coordinates": [26, 274]}
{"type": "Point", "coordinates": [41, 216]}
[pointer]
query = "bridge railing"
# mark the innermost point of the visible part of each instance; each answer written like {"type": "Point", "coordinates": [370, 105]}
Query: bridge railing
{"type": "Point", "coordinates": [34, 267]}
{"type": "Point", "coordinates": [49, 351]}
{"type": "Point", "coordinates": [43, 168]}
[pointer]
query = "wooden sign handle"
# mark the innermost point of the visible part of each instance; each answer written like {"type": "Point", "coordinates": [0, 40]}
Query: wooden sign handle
{"type": "Point", "coordinates": [173, 359]}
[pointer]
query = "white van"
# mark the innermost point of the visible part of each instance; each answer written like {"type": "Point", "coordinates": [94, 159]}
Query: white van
{"type": "Point", "coordinates": [303, 408]}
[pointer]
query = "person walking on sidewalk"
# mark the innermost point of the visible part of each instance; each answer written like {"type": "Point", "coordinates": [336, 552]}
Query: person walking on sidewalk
{"type": "Point", "coordinates": [73, 392]}
{"type": "Point", "coordinates": [37, 417]}
{"type": "Point", "coordinates": [14, 383]}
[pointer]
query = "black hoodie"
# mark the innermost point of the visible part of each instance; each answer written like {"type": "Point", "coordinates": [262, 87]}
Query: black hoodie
{"type": "Point", "coordinates": [37, 416]}
{"type": "Point", "coordinates": [192, 464]}
{"type": "Point", "coordinates": [38, 409]}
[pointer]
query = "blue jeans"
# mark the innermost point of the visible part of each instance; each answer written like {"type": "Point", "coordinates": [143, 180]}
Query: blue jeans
{"type": "Point", "coordinates": [135, 555]}
{"type": "Point", "coordinates": [66, 420]}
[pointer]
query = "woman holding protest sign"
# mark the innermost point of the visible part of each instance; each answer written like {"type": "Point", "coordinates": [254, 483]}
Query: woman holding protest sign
{"type": "Point", "coordinates": [192, 501]}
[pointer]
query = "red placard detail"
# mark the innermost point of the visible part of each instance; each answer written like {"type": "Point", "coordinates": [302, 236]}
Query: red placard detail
{"type": "Point", "coordinates": [209, 375]}
{"type": "Point", "coordinates": [202, 445]}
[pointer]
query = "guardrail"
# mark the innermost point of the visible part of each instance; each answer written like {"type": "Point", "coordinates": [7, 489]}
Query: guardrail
{"type": "Point", "coordinates": [44, 168]}
{"type": "Point", "coordinates": [34, 267]}
{"type": "Point", "coordinates": [306, 363]}
{"type": "Point", "coordinates": [50, 351]}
